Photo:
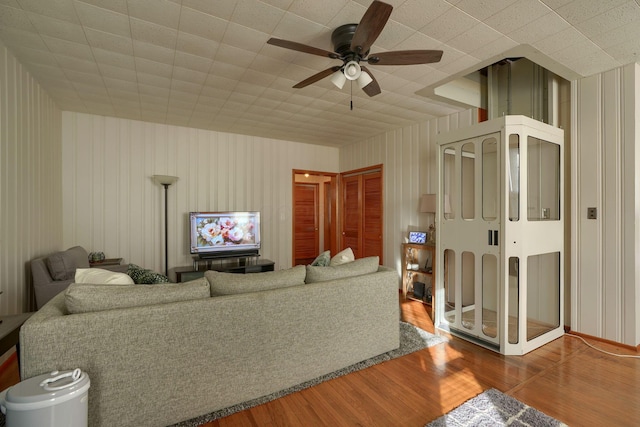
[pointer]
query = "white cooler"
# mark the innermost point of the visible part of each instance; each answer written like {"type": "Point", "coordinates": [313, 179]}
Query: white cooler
{"type": "Point", "coordinates": [58, 399]}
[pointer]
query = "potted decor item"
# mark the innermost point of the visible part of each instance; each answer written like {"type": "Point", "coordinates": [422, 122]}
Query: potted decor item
{"type": "Point", "coordinates": [96, 256]}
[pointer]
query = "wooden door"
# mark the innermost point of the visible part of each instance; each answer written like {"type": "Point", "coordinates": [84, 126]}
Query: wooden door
{"type": "Point", "coordinates": [352, 214]}
{"type": "Point", "coordinates": [362, 212]}
{"type": "Point", "coordinates": [305, 223]}
{"type": "Point", "coordinates": [330, 211]}
{"type": "Point", "coordinates": [372, 215]}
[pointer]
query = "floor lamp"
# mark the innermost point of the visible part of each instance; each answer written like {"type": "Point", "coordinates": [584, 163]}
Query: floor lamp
{"type": "Point", "coordinates": [165, 181]}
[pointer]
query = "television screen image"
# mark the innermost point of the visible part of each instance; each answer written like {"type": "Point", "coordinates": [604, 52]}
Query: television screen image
{"type": "Point", "coordinates": [419, 237]}
{"type": "Point", "coordinates": [224, 233]}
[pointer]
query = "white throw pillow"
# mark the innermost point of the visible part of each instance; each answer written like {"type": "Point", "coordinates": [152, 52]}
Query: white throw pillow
{"type": "Point", "coordinates": [342, 257]}
{"type": "Point", "coordinates": [101, 276]}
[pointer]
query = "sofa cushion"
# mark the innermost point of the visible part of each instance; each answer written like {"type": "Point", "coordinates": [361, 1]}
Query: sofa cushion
{"type": "Point", "coordinates": [323, 259]}
{"type": "Point", "coordinates": [355, 268]}
{"type": "Point", "coordinates": [342, 257]}
{"type": "Point", "coordinates": [101, 276]}
{"type": "Point", "coordinates": [142, 276]}
{"type": "Point", "coordinates": [86, 297]}
{"type": "Point", "coordinates": [61, 265]}
{"type": "Point", "coordinates": [232, 283]}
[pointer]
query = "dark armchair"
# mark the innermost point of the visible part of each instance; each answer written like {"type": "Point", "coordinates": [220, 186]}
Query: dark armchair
{"type": "Point", "coordinates": [52, 274]}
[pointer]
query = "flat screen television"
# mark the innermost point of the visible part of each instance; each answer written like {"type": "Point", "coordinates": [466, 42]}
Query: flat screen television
{"type": "Point", "coordinates": [224, 234]}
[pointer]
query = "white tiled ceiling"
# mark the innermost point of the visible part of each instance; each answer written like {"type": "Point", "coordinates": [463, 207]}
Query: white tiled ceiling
{"type": "Point", "coordinates": [206, 64]}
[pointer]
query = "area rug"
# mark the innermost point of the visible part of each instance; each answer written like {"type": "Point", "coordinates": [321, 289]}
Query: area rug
{"type": "Point", "coordinates": [493, 408]}
{"type": "Point", "coordinates": [411, 339]}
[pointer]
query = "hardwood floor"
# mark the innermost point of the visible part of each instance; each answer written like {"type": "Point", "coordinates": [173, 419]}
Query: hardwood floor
{"type": "Point", "coordinates": [565, 379]}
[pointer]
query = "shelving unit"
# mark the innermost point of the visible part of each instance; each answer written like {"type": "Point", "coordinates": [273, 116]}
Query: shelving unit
{"type": "Point", "coordinates": [418, 263]}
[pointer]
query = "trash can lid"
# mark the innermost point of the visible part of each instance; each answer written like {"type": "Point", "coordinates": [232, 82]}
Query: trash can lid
{"type": "Point", "coordinates": [47, 390]}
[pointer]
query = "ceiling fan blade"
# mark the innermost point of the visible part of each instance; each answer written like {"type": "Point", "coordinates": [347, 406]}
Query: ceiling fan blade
{"type": "Point", "coordinates": [373, 88]}
{"type": "Point", "coordinates": [405, 57]}
{"type": "Point", "coordinates": [316, 77]}
{"type": "Point", "coordinates": [302, 48]}
{"type": "Point", "coordinates": [370, 26]}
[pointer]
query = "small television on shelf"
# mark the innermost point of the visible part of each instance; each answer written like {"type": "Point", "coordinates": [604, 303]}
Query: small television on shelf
{"type": "Point", "coordinates": [224, 234]}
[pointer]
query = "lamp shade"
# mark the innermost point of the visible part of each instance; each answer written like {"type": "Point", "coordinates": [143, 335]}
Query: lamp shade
{"type": "Point", "coordinates": [352, 70]}
{"type": "Point", "coordinates": [165, 179]}
{"type": "Point", "coordinates": [364, 79]}
{"type": "Point", "coordinates": [338, 79]}
{"type": "Point", "coordinates": [428, 203]}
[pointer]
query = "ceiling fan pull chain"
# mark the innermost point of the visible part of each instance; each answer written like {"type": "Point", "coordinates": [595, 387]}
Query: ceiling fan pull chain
{"type": "Point", "coordinates": [351, 87]}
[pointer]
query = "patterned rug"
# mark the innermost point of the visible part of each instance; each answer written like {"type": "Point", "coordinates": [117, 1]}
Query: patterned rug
{"type": "Point", "coordinates": [411, 339]}
{"type": "Point", "coordinates": [493, 408]}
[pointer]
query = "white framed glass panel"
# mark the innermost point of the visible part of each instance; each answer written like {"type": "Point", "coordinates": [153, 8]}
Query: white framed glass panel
{"type": "Point", "coordinates": [449, 286]}
{"type": "Point", "coordinates": [490, 295]}
{"type": "Point", "coordinates": [543, 180]}
{"type": "Point", "coordinates": [468, 289]}
{"type": "Point", "coordinates": [543, 294]}
{"type": "Point", "coordinates": [449, 182]}
{"type": "Point", "coordinates": [513, 308]}
{"type": "Point", "coordinates": [468, 180]}
{"type": "Point", "coordinates": [490, 188]}
{"type": "Point", "coordinates": [513, 171]}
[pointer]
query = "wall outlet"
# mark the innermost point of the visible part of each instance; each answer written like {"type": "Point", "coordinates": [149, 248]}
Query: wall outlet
{"type": "Point", "coordinates": [592, 213]}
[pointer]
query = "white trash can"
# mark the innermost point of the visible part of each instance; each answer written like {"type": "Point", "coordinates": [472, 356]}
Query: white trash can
{"type": "Point", "coordinates": [58, 399]}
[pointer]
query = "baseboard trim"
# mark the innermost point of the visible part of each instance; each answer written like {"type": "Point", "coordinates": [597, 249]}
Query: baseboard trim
{"type": "Point", "coordinates": [602, 340]}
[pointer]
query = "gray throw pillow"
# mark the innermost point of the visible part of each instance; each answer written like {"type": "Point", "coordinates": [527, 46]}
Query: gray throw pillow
{"type": "Point", "coordinates": [323, 259]}
{"type": "Point", "coordinates": [61, 266]}
{"type": "Point", "coordinates": [232, 283]}
{"type": "Point", "coordinates": [86, 298]}
{"type": "Point", "coordinates": [355, 268]}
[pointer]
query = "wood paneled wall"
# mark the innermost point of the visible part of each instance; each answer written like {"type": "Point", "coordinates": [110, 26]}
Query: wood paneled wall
{"type": "Point", "coordinates": [111, 204]}
{"type": "Point", "coordinates": [409, 156]}
{"type": "Point", "coordinates": [30, 181]}
{"type": "Point", "coordinates": [606, 175]}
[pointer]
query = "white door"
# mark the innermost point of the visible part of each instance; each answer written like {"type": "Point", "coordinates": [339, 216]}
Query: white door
{"type": "Point", "coordinates": [469, 238]}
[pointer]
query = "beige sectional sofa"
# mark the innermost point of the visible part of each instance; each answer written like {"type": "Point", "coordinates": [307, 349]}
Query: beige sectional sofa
{"type": "Point", "coordinates": [161, 354]}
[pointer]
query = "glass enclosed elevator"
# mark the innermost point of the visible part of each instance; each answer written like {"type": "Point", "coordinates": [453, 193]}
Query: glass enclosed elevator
{"type": "Point", "coordinates": [499, 279]}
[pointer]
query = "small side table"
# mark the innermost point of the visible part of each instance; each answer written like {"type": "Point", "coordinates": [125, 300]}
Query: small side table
{"type": "Point", "coordinates": [107, 261]}
{"type": "Point", "coordinates": [10, 330]}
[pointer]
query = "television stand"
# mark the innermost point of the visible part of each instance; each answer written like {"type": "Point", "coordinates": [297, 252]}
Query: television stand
{"type": "Point", "coordinates": [240, 265]}
{"type": "Point", "coordinates": [236, 259]}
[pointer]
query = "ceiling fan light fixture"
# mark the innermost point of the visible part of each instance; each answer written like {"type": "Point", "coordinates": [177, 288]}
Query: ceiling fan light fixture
{"type": "Point", "coordinates": [351, 43]}
{"type": "Point", "coordinates": [364, 79]}
{"type": "Point", "coordinates": [338, 79]}
{"type": "Point", "coordinates": [352, 70]}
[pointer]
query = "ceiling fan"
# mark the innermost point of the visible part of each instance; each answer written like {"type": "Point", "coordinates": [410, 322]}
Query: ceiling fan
{"type": "Point", "coordinates": [351, 44]}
